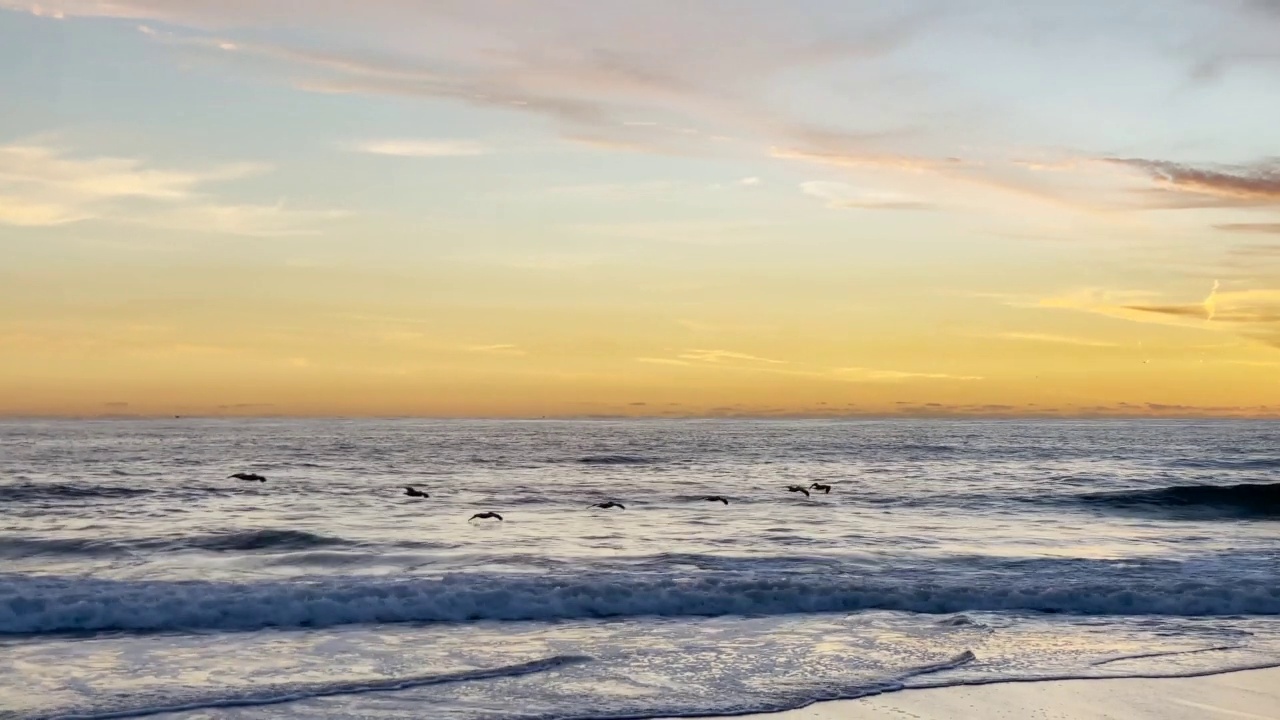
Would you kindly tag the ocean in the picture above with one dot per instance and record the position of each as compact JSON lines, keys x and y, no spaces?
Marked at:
{"x":138,"y":579}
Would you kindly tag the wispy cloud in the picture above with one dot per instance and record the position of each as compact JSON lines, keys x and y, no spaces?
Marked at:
{"x":497,"y":349}
{"x":859,"y":160}
{"x":1228,"y":185}
{"x":744,"y":362}
{"x":48,"y":168}
{"x":42,"y":185}
{"x":720,"y":356}
{"x":646,"y":83}
{"x":420,"y":148}
{"x":1251,"y":313}
{"x":1263,"y":228}
{"x":264,"y":221}
{"x":29,"y":212}
{"x":842,"y":196}
{"x":874,"y":375}
{"x":960,"y":180}
{"x":1207,"y":309}
{"x":663,"y":361}
{"x":1054,"y":339}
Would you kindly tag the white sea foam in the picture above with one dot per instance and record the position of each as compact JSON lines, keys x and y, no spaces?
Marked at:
{"x":279,"y":694}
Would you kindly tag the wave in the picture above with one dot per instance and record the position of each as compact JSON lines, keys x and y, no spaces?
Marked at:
{"x":20,"y":547}
{"x":1227,"y":464}
{"x":1169,"y":653}
{"x":27,"y":492}
{"x":615,"y":460}
{"x":292,"y":692}
{"x":262,"y":540}
{"x":1260,"y":500}
{"x":52,"y":604}
{"x":238,"y":541}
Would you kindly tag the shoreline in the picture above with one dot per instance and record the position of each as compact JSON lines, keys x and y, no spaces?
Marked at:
{"x":1247,"y":694}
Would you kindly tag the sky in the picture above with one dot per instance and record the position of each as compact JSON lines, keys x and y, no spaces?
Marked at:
{"x":500,"y":208}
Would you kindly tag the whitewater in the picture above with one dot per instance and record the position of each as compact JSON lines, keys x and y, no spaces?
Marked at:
{"x":138,"y":579}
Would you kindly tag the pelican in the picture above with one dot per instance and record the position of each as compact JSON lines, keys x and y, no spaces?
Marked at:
{"x":411,"y":491}
{"x":798,"y":488}
{"x":716,"y":498}
{"x":251,"y":477}
{"x":485,"y":516}
{"x":610,"y":504}
{"x":826,"y":489}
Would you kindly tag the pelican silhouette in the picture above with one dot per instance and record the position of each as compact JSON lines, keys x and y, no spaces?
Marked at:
{"x":251,"y":477}
{"x":411,"y":491}
{"x":826,"y":489}
{"x":798,"y":488}
{"x":716,"y":498}
{"x":610,"y":504}
{"x":485,"y":516}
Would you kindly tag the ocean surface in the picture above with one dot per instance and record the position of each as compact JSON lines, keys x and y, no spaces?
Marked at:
{"x":137,"y":579}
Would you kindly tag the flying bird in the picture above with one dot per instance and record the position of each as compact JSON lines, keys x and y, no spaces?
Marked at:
{"x":826,"y":489}
{"x":798,"y":488}
{"x":717,"y":498}
{"x":411,"y":491}
{"x":610,"y":504}
{"x":485,"y":516}
{"x":251,"y":477}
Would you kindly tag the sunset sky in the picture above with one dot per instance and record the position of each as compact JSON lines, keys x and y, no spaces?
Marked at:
{"x":651,"y":207}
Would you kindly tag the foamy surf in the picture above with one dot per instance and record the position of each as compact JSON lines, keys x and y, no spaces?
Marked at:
{"x":281,"y":694}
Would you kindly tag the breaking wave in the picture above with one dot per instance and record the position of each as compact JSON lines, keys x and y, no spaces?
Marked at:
{"x":52,"y":604}
{"x":27,"y":492}
{"x":615,"y":460}
{"x":239,"y":541}
{"x":1243,"y":500}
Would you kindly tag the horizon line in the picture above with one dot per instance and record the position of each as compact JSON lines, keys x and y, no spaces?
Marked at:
{"x":598,"y":417}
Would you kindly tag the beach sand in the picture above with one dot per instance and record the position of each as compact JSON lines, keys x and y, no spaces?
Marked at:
{"x":1247,"y":695}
